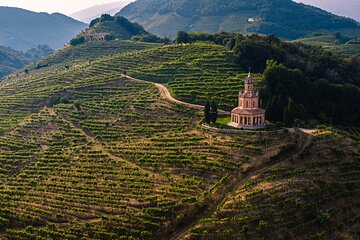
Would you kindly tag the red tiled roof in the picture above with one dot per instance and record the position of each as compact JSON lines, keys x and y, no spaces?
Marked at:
{"x":248,"y":111}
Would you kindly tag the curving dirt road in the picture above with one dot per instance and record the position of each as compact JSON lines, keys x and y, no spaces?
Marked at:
{"x":164,"y":91}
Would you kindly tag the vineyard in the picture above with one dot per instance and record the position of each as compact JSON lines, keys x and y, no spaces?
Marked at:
{"x":89,"y":51}
{"x":194,"y":73}
{"x":351,"y":132}
{"x":314,"y":196}
{"x":86,"y":153}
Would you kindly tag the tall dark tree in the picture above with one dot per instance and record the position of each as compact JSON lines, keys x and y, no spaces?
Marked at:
{"x":182,"y":37}
{"x":213,"y":112}
{"x":207,"y":116}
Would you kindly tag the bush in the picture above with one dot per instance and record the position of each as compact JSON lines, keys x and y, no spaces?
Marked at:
{"x":77,"y":41}
{"x":109,"y":37}
{"x":64,"y":100}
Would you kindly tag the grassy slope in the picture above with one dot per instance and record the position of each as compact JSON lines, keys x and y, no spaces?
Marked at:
{"x":126,"y":163}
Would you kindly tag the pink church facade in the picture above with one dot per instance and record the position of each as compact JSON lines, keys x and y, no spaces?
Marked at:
{"x":248,"y":114}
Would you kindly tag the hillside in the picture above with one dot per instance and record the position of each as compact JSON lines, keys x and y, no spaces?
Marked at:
{"x":89,"y":153}
{"x":350,"y":8}
{"x":88,"y":14}
{"x":116,"y":28}
{"x":22,"y":29}
{"x":307,"y":197}
{"x":333,"y":42}
{"x":303,"y":73}
{"x":11,"y":60}
{"x":283,"y":18}
{"x":84,"y":53}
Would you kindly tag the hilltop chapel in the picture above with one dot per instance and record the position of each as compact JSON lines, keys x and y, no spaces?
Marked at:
{"x":248,"y":114}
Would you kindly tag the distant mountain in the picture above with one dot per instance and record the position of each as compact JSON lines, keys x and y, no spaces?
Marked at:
{"x":12,"y":60}
{"x":91,"y":13}
{"x":21,"y":29}
{"x":347,"y":8}
{"x":284,"y":18}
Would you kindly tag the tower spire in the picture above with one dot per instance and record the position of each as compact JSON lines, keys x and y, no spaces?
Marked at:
{"x":249,"y":79}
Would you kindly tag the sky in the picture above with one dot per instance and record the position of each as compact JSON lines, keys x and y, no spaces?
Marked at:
{"x":63,"y":6}
{"x":347,"y":8}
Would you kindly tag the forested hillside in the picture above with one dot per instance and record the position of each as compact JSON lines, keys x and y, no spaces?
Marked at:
{"x":87,"y":153}
{"x":284,"y":18}
{"x":11,"y":60}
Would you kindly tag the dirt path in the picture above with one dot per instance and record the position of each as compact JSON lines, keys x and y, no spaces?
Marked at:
{"x":165,"y":93}
{"x":234,"y":186}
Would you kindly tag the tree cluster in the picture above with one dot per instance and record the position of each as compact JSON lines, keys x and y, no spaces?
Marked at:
{"x":210,"y":112}
{"x":122,"y":28}
{"x":77,"y":41}
{"x":292,"y":95}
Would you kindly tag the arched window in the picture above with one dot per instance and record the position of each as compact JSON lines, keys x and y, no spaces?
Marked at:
{"x":253,"y":104}
{"x":240,"y":103}
{"x":247,"y":104}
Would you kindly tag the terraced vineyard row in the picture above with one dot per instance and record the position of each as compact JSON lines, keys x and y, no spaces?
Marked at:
{"x":98,"y":157}
{"x":92,"y":50}
{"x":351,"y":132}
{"x":195,"y":73}
{"x":307,"y":198}
{"x":86,"y":153}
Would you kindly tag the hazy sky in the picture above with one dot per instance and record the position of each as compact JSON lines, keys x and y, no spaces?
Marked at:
{"x":63,"y":6}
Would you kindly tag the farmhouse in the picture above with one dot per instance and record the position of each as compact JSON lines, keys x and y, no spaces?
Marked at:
{"x":95,"y":36}
{"x":248,"y":114}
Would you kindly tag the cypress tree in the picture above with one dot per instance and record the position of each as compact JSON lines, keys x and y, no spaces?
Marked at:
{"x":207,"y":116}
{"x":213,"y":112}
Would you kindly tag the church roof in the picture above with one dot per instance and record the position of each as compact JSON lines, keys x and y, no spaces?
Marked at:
{"x":248,"y":111}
